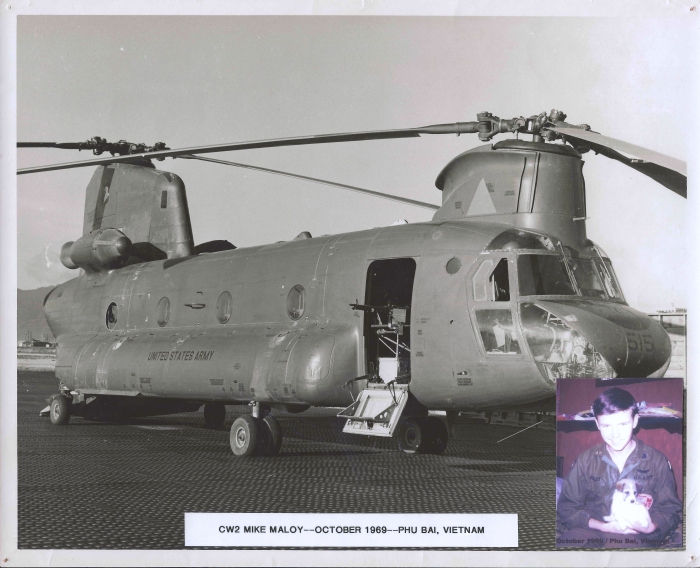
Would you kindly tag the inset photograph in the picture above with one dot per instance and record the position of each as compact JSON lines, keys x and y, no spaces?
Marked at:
{"x":620,"y":463}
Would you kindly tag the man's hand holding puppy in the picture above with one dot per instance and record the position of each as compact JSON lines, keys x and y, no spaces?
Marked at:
{"x":632,"y":527}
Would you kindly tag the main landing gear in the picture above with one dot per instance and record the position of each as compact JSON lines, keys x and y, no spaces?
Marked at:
{"x":256,"y":434}
{"x":423,"y":435}
{"x":386,"y":409}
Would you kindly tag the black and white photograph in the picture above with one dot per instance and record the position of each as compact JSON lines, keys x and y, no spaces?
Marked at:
{"x":339,"y":283}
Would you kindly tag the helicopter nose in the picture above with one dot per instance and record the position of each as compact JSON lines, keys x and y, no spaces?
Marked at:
{"x":589,"y":338}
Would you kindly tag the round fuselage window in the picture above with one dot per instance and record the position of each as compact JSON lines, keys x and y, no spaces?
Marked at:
{"x":111,"y":316}
{"x":163,"y":312}
{"x":453,"y":265}
{"x":223,"y":307}
{"x":296,"y":302}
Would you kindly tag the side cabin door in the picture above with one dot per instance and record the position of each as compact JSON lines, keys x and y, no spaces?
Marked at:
{"x":387,"y":329}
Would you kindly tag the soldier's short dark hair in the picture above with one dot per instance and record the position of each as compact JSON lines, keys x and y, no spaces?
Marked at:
{"x":614,"y":400}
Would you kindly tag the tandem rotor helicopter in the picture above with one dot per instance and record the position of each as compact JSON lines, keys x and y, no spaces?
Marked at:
{"x":482,"y":308}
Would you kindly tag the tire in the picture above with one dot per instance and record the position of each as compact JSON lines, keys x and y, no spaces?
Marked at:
{"x":412,"y":435}
{"x":60,"y":410}
{"x":437,"y":435}
{"x":214,"y":415}
{"x":245,"y":436}
{"x":273,"y":435}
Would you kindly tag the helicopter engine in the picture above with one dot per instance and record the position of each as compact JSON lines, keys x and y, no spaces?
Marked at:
{"x":98,"y":250}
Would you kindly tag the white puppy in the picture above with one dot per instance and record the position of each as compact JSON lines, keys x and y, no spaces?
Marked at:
{"x":626,"y":508}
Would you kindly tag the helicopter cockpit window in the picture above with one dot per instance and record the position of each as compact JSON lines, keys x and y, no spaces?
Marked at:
{"x":500,"y":287}
{"x":481,"y":280}
{"x":111,"y":316}
{"x":492,"y":284}
{"x":612,"y":286}
{"x":544,"y":275}
{"x":587,"y":277}
{"x":498,"y":332}
{"x":296,"y":302}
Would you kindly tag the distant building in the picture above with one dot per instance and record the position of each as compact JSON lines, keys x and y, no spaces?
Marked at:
{"x":29,"y":341}
{"x":35,"y":343}
{"x":673,"y":319}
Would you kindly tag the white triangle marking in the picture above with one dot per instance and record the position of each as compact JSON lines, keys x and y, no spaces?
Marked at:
{"x":482,"y":204}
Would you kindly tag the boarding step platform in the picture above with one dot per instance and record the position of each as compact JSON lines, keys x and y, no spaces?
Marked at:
{"x":376,"y":411}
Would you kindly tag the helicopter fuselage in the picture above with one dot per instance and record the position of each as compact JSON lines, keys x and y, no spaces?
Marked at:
{"x":485,"y":307}
{"x":493,"y":318}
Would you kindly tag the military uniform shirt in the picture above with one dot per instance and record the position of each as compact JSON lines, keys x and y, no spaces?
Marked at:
{"x":589,"y":486}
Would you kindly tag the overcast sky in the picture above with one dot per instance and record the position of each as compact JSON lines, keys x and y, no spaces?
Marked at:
{"x":205,"y":80}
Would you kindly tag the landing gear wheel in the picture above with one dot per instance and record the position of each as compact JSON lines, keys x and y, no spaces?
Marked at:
{"x":60,"y":410}
{"x":214,"y":415}
{"x":437,"y":435}
{"x":273,"y":435}
{"x":245,"y":435}
{"x":412,"y":435}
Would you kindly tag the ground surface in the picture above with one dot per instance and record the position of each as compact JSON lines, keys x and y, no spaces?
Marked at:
{"x":94,"y":485}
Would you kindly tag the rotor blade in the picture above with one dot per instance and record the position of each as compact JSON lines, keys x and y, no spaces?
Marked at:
{"x":316,"y":180}
{"x":456,"y":128}
{"x":61,"y":145}
{"x":669,"y":172}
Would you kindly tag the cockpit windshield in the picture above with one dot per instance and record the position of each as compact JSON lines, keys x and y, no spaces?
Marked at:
{"x":587,"y":277}
{"x":548,"y":274}
{"x":544,"y":275}
{"x":612,"y":287}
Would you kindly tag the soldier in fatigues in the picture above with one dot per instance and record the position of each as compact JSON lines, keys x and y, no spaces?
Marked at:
{"x":587,"y":492}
